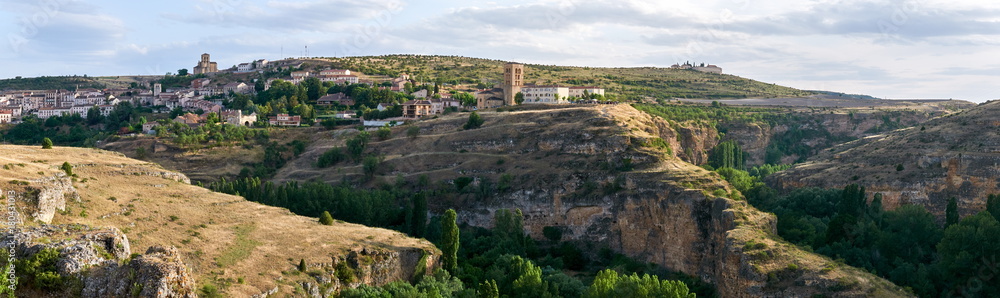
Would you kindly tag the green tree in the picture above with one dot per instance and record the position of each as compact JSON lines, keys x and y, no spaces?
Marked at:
{"x":94,"y":116}
{"x":413,"y":131}
{"x":474,"y":121}
{"x":357,"y":144}
{"x":519,"y":98}
{"x":182,"y":72}
{"x":488,"y":289}
{"x":993,"y":205}
{"x":449,"y":241}
{"x":466,"y":99}
{"x":326,"y":218}
{"x":370,"y":165}
{"x":418,"y":225}
{"x":330,"y":157}
{"x":68,"y":168}
{"x":302,"y":265}
{"x":46,"y":143}
{"x":726,"y":155}
{"x":609,"y":284}
{"x":968,"y":257}
{"x":384,"y":133}
{"x":951,"y":212}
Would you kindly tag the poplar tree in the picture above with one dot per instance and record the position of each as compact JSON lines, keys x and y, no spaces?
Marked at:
{"x":449,"y":241}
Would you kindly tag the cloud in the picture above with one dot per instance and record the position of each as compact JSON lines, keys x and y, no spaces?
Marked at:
{"x":64,"y":30}
{"x":320,"y":15}
{"x":905,"y":20}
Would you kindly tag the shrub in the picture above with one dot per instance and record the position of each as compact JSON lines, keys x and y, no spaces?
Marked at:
{"x":46,"y":143}
{"x":325,"y":218}
{"x":345,"y":273}
{"x":474,"y":121}
{"x":68,"y":168}
{"x":370,"y":165}
{"x":330,"y":157}
{"x":413,"y":131}
{"x":302,"y":265}
{"x":384,"y":133}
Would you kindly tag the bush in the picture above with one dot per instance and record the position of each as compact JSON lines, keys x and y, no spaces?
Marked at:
{"x":330,"y":157}
{"x":413,"y":131}
{"x":46,"y":143}
{"x":474,"y":121}
{"x":384,"y":133}
{"x":370,"y":165}
{"x":326,"y":218}
{"x":68,"y":168}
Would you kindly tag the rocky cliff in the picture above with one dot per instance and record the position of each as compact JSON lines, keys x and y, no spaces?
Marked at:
{"x":953,"y":156}
{"x":195,"y":241}
{"x":609,"y":177}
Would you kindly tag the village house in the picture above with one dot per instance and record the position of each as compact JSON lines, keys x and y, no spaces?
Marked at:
{"x":299,"y":76}
{"x":336,"y":98}
{"x":244,"y":67}
{"x":285,"y":120}
{"x":147,"y":128}
{"x":237,"y":87}
{"x":204,"y":105}
{"x":417,"y":108}
{"x":236,"y":117}
{"x":190,"y":119}
{"x":438,"y":105}
{"x":421,"y":94}
{"x":345,"y":115}
{"x":6,"y":116}
{"x":200,"y":83}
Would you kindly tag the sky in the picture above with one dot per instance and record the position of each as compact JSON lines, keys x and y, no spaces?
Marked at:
{"x":888,"y":49}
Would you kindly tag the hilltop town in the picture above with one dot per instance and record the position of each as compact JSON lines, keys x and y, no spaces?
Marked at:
{"x":191,"y":98}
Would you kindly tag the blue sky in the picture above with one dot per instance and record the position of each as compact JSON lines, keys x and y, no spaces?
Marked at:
{"x":889,"y":49}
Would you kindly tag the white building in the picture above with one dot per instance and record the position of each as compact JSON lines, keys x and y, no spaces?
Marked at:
{"x":244,"y":67}
{"x":352,"y":79}
{"x":335,"y":72}
{"x":582,"y":92}
{"x":545,"y":94}
{"x":45,"y":113}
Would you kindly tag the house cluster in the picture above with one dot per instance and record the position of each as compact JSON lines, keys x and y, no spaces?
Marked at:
{"x":701,"y":67}
{"x":48,"y":103}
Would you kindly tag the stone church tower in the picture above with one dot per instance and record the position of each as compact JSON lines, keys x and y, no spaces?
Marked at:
{"x":205,"y":65}
{"x":513,"y":80}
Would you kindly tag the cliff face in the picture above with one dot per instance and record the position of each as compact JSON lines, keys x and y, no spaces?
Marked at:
{"x":954,"y":156}
{"x":602,"y":175}
{"x":191,"y":236}
{"x":817,"y":130}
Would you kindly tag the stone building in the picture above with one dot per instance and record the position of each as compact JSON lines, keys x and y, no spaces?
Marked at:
{"x":205,"y":65}
{"x":513,"y":80}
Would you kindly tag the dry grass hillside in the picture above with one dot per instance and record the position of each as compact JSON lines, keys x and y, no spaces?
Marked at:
{"x":608,"y":176}
{"x":244,"y":248}
{"x":951,"y":156}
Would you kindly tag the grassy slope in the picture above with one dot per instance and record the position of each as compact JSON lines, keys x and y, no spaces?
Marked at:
{"x":631,"y":83}
{"x":240,"y":239}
